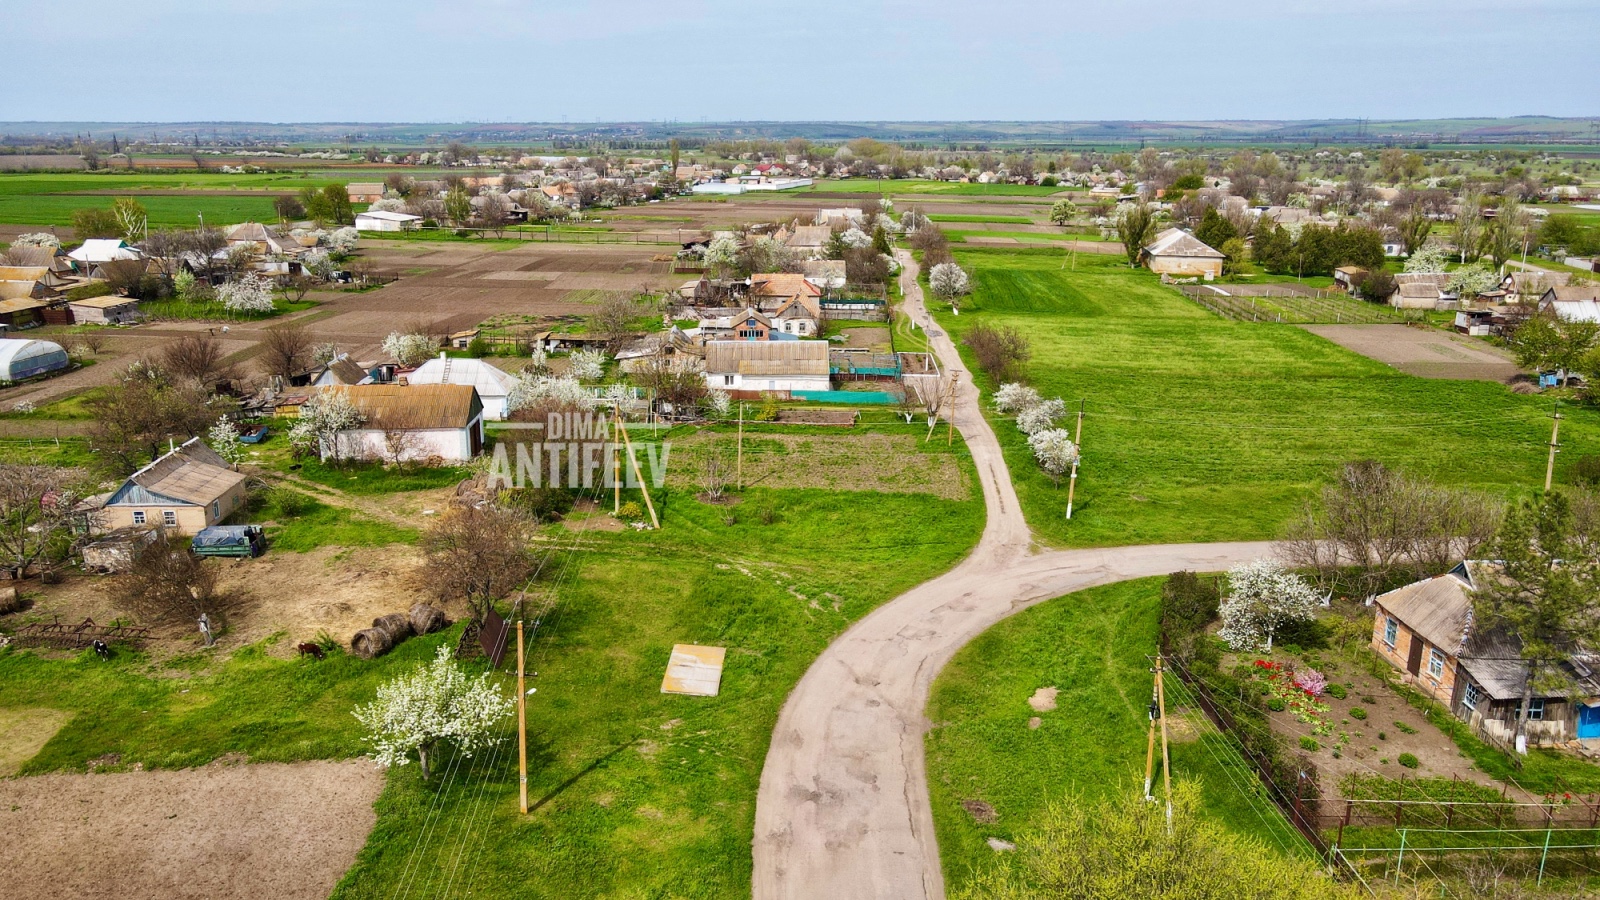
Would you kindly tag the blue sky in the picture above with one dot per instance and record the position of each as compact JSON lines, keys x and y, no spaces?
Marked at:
{"x":520,"y":60}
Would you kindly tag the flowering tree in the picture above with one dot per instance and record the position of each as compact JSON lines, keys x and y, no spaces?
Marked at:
{"x":948,"y":280}
{"x":722,"y":255}
{"x":37,"y":239}
{"x":720,"y":403}
{"x":388,"y":204}
{"x":587,"y":365}
{"x":618,"y":395}
{"x":1014,"y":397}
{"x":183,"y":284}
{"x":1472,"y":279}
{"x":318,"y":263}
{"x":1041,"y":416}
{"x":248,"y":294}
{"x":1055,"y":451}
{"x":1430,"y":259}
{"x":224,"y":439}
{"x":343,"y":240}
{"x":438,"y":702}
{"x":856,"y":239}
{"x":533,"y":387}
{"x":323,"y":354}
{"x":1263,"y":596}
{"x":408,"y":349}
{"x":322,"y":423}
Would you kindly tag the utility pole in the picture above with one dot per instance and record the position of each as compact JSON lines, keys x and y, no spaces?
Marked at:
{"x":739,"y":464}
{"x":616,"y":465}
{"x":1166,"y":759}
{"x":950,"y":418}
{"x":643,"y":487}
{"x":1555,"y":432}
{"x":1077,"y":441}
{"x":1150,"y":748}
{"x":522,"y":723}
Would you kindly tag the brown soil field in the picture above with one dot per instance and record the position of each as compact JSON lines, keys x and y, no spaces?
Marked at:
{"x":887,"y":463}
{"x":1424,"y":352}
{"x":240,"y":831}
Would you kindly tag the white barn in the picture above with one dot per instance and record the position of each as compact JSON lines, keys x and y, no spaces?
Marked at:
{"x":383,"y":220}
{"x":440,"y":421}
{"x":493,"y":386}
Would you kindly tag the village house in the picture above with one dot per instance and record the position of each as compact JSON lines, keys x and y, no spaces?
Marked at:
{"x":365,"y":191}
{"x":341,"y":371}
{"x":747,"y":369}
{"x":493,"y":385}
{"x":1177,"y":252}
{"x":1426,"y":630}
{"x":95,"y":251}
{"x":25,"y":283}
{"x":810,"y":241}
{"x":1347,"y":277}
{"x":1421,"y":290}
{"x":792,"y":302}
{"x":1527,"y":287}
{"x":1572,"y":302}
{"x":745,"y":325}
{"x":384,"y":220}
{"x":412,"y":423}
{"x":187,"y":488}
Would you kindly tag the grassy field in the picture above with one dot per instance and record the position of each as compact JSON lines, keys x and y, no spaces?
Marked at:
{"x":911,"y":186}
{"x":1008,"y":220}
{"x":637,"y":793}
{"x":1200,"y":428}
{"x":50,"y":199}
{"x":1092,"y":646}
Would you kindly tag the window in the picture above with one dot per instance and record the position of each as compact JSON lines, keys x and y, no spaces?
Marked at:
{"x":1391,"y":631}
{"x":138,"y":517}
{"x":169,"y":517}
{"x":1471,"y":696}
{"x":1536,"y":710}
{"x":1435,"y":663}
{"x":216,"y":509}
{"x":727,"y":380}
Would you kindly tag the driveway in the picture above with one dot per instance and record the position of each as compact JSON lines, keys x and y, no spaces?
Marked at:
{"x":843,"y":807}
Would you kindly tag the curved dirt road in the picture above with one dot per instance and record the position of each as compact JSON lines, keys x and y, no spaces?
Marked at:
{"x":843,"y":808}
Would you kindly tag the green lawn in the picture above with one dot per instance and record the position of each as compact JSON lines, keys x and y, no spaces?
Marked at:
{"x":50,"y":199}
{"x":1201,"y":428}
{"x":1092,"y":646}
{"x":957,"y":236}
{"x":1009,"y":220}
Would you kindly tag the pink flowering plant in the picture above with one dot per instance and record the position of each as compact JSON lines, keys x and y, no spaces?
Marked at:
{"x":1295,"y":689}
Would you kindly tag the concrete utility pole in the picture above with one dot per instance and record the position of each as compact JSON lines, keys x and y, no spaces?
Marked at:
{"x":1555,"y":432}
{"x":1077,"y":441}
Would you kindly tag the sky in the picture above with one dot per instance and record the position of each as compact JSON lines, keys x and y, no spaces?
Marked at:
{"x":822,"y":60}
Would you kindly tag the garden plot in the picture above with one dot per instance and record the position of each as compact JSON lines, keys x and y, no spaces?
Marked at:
{"x":1426,"y":353}
{"x":272,"y":830}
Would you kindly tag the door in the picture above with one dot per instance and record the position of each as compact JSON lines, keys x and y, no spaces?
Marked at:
{"x":1588,"y":721}
{"x":1414,"y":660}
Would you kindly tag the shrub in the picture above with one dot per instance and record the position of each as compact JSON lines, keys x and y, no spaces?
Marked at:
{"x":477,"y":348}
{"x":1309,"y":744}
{"x":89,"y":291}
{"x":1000,"y":351}
{"x":1587,"y":470}
{"x":1358,"y":712}
{"x":630,"y":512}
{"x":1276,"y":704}
{"x":1404,"y":728}
{"x":1188,"y":604}
{"x":1383,"y":736}
{"x":1409,"y":760}
{"x":1337,"y":691}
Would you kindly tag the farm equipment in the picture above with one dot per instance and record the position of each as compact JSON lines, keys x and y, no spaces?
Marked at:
{"x":77,"y":637}
{"x":254,"y":434}
{"x":230,"y":540}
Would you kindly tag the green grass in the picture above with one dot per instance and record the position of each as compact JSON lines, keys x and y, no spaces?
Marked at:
{"x":50,"y":199}
{"x":1021,"y":236}
{"x":47,"y":451}
{"x":1201,"y":428}
{"x":213,"y":310}
{"x":370,"y":478}
{"x":301,"y":524}
{"x":1009,"y":220}
{"x":1093,"y":646}
{"x":912,"y":186}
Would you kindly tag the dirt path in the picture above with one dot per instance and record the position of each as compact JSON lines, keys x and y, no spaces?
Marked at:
{"x":843,"y":806}
{"x":246,"y":831}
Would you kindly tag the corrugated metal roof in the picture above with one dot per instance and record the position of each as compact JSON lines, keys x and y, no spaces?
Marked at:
{"x":767,"y":357}
{"x":192,"y":474}
{"x":111,"y":302}
{"x":1177,"y":242}
{"x":415,"y":407}
{"x":96,"y":250}
{"x":489,"y":381}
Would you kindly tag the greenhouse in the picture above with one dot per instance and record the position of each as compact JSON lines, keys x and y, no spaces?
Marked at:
{"x":21,"y":359}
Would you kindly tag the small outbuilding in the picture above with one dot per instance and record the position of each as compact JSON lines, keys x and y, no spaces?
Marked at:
{"x":1177,"y":252}
{"x":21,"y":358}
{"x":383,"y":220}
{"x":110,"y":310}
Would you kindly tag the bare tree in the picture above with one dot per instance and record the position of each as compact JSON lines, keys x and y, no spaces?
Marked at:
{"x":167,"y":583}
{"x":37,"y":514}
{"x":613,"y":319}
{"x":294,"y":288}
{"x":195,"y":356}
{"x":286,"y":350}
{"x":144,"y":409}
{"x":714,"y":474}
{"x":400,"y":447}
{"x":478,"y":553}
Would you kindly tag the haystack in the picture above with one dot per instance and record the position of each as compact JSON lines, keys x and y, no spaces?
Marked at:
{"x":10,"y":602}
{"x":370,"y":643}
{"x":427,"y":618}
{"x":396,"y":625}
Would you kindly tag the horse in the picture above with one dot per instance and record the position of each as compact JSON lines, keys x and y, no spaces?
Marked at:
{"x":311,"y":650}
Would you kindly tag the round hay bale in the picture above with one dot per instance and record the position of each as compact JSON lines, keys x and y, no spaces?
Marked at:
{"x":396,"y":625}
{"x":9,"y":601}
{"x":427,"y":618}
{"x":370,"y":643}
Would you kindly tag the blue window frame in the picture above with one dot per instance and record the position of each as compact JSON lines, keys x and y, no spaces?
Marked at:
{"x":1391,"y":631}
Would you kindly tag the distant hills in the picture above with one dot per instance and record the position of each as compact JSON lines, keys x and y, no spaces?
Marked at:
{"x":1410,"y":132}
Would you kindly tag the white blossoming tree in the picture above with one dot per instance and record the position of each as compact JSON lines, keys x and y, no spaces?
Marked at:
{"x":388,"y":204}
{"x":1013,"y":398}
{"x":618,"y":395}
{"x":247,"y":294}
{"x":948,"y":281}
{"x":224,"y":439}
{"x":1041,"y":416}
{"x":720,"y":403}
{"x":1263,"y":597}
{"x":722,"y":255}
{"x":587,"y":365}
{"x":322,"y":423}
{"x":37,"y":239}
{"x":1055,"y":451}
{"x":319,"y":264}
{"x":856,"y":239}
{"x":1430,"y":259}
{"x":1473,"y":279}
{"x":534,"y":387}
{"x":408,"y":349}
{"x":343,"y":240}
{"x":438,"y":702}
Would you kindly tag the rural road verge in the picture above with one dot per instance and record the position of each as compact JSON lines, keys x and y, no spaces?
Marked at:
{"x":843,"y":808}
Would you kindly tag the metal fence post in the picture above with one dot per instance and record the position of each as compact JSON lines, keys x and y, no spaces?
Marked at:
{"x":1400,"y":860}
{"x":1543,"y":856}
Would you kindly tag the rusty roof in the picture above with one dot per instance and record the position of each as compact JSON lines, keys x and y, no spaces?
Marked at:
{"x":767,"y":357}
{"x":415,"y":407}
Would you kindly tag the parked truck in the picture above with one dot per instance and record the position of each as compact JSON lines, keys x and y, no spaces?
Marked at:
{"x":230,"y":540}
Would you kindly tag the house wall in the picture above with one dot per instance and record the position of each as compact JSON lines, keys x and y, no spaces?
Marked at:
{"x":1442,"y":687}
{"x":191,"y":518}
{"x":1185,"y":266}
{"x":366,"y":223}
{"x":94,"y":315}
{"x":725,"y":381}
{"x":454,"y":444}
{"x":1496,"y":722}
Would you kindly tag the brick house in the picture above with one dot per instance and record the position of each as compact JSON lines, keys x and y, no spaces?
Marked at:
{"x":1426,"y":630}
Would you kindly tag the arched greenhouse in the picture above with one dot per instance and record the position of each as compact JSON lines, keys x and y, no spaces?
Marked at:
{"x":21,"y":359}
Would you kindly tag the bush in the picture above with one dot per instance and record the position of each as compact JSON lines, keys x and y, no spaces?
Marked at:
{"x":1000,"y":351}
{"x":477,"y":348}
{"x":1587,"y":470}
{"x":91,"y":290}
{"x":1309,"y":744}
{"x":1188,"y":604}
{"x":1276,"y":704}
{"x":1383,"y":736}
{"x":1359,"y":713}
{"x":1404,"y":728}
{"x":1409,"y":760}
{"x":1337,"y":691}
{"x":630,"y":512}
{"x":1303,"y":634}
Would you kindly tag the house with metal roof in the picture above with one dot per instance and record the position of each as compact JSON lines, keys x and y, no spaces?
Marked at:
{"x":187,"y":489}
{"x":412,"y":423}
{"x":1427,"y":630}
{"x":95,"y":251}
{"x":385,"y":220}
{"x":1572,"y":302}
{"x":751,"y":368}
{"x":493,"y":385}
{"x":1177,"y":252}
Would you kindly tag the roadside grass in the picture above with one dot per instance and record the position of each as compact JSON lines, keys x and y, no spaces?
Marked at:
{"x":1093,"y":646}
{"x":1200,"y":428}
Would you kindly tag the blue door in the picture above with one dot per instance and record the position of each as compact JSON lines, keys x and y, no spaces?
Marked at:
{"x":1588,"y":721}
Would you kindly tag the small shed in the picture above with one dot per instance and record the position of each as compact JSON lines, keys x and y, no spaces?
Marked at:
{"x":114,"y":551}
{"x":383,"y":220}
{"x":105,"y":311}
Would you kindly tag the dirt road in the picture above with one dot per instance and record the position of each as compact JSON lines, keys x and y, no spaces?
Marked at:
{"x":843,"y":806}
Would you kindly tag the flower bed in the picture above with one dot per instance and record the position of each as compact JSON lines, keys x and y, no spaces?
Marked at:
{"x":1298,"y":691}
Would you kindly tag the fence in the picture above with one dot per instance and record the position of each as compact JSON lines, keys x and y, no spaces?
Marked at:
{"x":1514,"y":853}
{"x":1292,"y":307}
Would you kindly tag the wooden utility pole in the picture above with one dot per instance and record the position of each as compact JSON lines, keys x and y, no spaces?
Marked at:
{"x":1166,"y":758}
{"x":1150,"y":748}
{"x":616,"y":465}
{"x":1077,"y":441}
{"x":643,"y":486}
{"x":522,"y":723}
{"x":950,"y":416}
{"x":739,"y":465}
{"x":1555,"y":432}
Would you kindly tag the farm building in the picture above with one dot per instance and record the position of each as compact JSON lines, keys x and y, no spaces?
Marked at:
{"x":413,"y":422}
{"x":188,"y":488}
{"x":364,"y":191}
{"x":1177,"y":252}
{"x":110,"y":310}
{"x":383,"y":220}
{"x":102,"y":250}
{"x":1347,"y":277}
{"x":25,"y":282}
{"x":493,"y":386}
{"x":1426,"y":629}
{"x":1419,"y":290}
{"x":754,"y":367}
{"x":1572,"y":302}
{"x":809,"y":240}
{"x":342,"y":371}
{"x":21,"y":359}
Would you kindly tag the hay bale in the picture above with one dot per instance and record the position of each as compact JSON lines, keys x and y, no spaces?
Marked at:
{"x":9,"y":601}
{"x":370,"y":643}
{"x":427,"y":618}
{"x":396,"y":625}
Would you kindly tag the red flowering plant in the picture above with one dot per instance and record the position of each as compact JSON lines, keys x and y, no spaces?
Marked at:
{"x":1299,"y":692}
